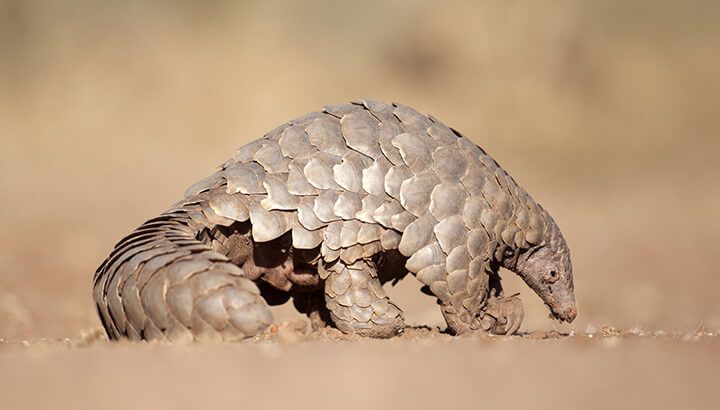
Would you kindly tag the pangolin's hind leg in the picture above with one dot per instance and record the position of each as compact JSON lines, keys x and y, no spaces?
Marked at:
{"x":358,"y":303}
{"x":161,"y":283}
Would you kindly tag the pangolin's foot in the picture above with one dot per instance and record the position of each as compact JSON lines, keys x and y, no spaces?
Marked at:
{"x":502,"y":315}
{"x":358,"y":304}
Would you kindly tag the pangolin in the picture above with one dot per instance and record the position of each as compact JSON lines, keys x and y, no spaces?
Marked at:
{"x":324,"y":210}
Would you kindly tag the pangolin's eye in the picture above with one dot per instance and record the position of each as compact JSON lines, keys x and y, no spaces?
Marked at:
{"x":552,"y":276}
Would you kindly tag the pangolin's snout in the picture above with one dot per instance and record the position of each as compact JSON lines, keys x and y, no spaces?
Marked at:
{"x":566,"y":315}
{"x":569,"y":315}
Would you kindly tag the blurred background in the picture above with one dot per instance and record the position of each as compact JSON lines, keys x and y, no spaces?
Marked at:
{"x":606,"y":111}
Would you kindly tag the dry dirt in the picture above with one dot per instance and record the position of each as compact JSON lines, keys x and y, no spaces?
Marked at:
{"x":605,"y":111}
{"x":421,"y":369}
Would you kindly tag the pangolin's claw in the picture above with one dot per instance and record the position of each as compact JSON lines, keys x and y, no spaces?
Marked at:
{"x":503,"y":316}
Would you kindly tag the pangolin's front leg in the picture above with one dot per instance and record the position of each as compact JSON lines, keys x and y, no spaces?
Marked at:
{"x":502,"y":315}
{"x":462,"y":306}
{"x":358,"y":303}
{"x":480,"y":305}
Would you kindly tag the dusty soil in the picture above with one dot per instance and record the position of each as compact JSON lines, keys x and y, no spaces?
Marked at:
{"x":421,"y":369}
{"x":605,"y":111}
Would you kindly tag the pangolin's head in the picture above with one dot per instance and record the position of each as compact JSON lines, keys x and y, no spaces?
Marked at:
{"x":548,"y":271}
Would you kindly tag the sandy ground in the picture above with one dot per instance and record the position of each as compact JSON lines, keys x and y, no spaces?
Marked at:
{"x":605,"y":111}
{"x":422,"y":369}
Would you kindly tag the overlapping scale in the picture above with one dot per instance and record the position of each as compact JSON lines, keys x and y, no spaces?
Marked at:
{"x":354,"y":180}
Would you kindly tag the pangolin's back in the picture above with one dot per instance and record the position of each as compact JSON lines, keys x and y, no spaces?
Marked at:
{"x":361,"y":177}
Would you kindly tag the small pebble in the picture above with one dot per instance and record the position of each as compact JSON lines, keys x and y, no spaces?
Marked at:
{"x":590,"y":330}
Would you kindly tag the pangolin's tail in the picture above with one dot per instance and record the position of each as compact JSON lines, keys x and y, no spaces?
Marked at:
{"x":162,"y":283}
